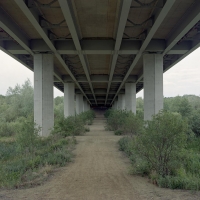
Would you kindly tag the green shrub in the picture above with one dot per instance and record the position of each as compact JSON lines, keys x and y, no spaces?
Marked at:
{"x":118,"y":132}
{"x":123,"y":122}
{"x":164,"y":137}
{"x":116,"y":119}
{"x":87,"y":117}
{"x":132,"y":125}
{"x":107,"y":112}
{"x":27,"y":138}
{"x":165,"y":153}
{"x":7,"y":129}
{"x":69,"y":126}
{"x":7,"y":150}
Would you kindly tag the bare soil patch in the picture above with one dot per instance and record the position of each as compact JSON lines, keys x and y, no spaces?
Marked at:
{"x":99,"y":172}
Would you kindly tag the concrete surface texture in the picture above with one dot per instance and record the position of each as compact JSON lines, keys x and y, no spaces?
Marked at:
{"x":43,"y":92}
{"x":69,"y":97}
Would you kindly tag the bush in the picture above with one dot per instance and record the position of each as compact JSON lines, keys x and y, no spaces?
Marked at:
{"x":165,"y":153}
{"x":87,"y":117}
{"x":116,"y":119}
{"x":27,"y":138}
{"x":73,"y":125}
{"x":69,"y":126}
{"x":164,"y":137}
{"x":132,"y":125}
{"x":123,"y":122}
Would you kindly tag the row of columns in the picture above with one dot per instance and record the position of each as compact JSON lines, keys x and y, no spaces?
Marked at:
{"x":43,"y":92}
{"x":43,"y":95}
{"x":153,"y":88}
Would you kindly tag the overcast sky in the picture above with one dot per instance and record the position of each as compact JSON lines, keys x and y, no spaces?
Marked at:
{"x":183,"y":78}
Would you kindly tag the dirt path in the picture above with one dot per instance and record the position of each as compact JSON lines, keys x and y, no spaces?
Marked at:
{"x":99,"y":172}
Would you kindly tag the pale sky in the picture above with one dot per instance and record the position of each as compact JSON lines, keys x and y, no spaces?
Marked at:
{"x":183,"y":78}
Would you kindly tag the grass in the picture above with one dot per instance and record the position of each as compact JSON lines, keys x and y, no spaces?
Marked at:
{"x":23,"y":169}
{"x":27,"y":159}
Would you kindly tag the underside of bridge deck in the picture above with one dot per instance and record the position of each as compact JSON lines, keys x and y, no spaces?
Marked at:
{"x":99,"y":45}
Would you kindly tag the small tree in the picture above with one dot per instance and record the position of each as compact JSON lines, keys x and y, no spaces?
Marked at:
{"x":27,"y":138}
{"x":132,"y":125}
{"x":161,"y":142}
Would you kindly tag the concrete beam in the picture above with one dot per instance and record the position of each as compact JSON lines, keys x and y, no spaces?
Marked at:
{"x":158,"y":21}
{"x":34,"y":20}
{"x":126,"y":5}
{"x":14,"y":31}
{"x":99,"y":79}
{"x":187,"y":22}
{"x":100,"y":91}
{"x":127,"y":47}
{"x":67,"y":11}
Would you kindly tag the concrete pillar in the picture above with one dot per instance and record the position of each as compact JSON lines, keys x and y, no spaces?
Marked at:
{"x":119,"y":103}
{"x":153,"y":84}
{"x":69,"y":101}
{"x":79,"y":103}
{"x":123,"y":102}
{"x":88,"y":106}
{"x":43,"y":93}
{"x":130,"y":97}
{"x":85,"y":106}
{"x":113,"y":105}
{"x":116,"y":104}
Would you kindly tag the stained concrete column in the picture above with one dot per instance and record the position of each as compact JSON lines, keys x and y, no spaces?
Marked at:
{"x":119,"y":103}
{"x":88,"y":106}
{"x":113,"y":105}
{"x":79,"y":103}
{"x":123,"y":102}
{"x":153,"y":84}
{"x":130,"y":97}
{"x":116,"y":104}
{"x":85,"y":106}
{"x":69,"y":101}
{"x":43,"y":93}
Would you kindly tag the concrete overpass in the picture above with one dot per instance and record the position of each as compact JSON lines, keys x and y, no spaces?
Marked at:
{"x":101,"y":52}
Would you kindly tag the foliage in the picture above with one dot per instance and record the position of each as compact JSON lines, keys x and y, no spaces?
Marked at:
{"x":58,"y":108}
{"x":195,"y":122}
{"x":27,"y":138}
{"x":26,"y":168}
{"x":73,"y":125}
{"x":15,"y":107}
{"x":87,"y":117}
{"x":165,"y":153}
{"x":164,"y":137}
{"x":116,"y":118}
{"x":123,"y":122}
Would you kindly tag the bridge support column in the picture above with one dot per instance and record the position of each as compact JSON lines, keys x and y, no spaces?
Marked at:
{"x":113,"y":105}
{"x":79,"y":103}
{"x":69,"y":101}
{"x":43,"y":93}
{"x":153,"y":84}
{"x":116,"y":104}
{"x":121,"y":101}
{"x":85,"y":105}
{"x":130,"y":97}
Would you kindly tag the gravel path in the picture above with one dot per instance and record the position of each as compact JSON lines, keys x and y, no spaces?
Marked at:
{"x":99,"y":172}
